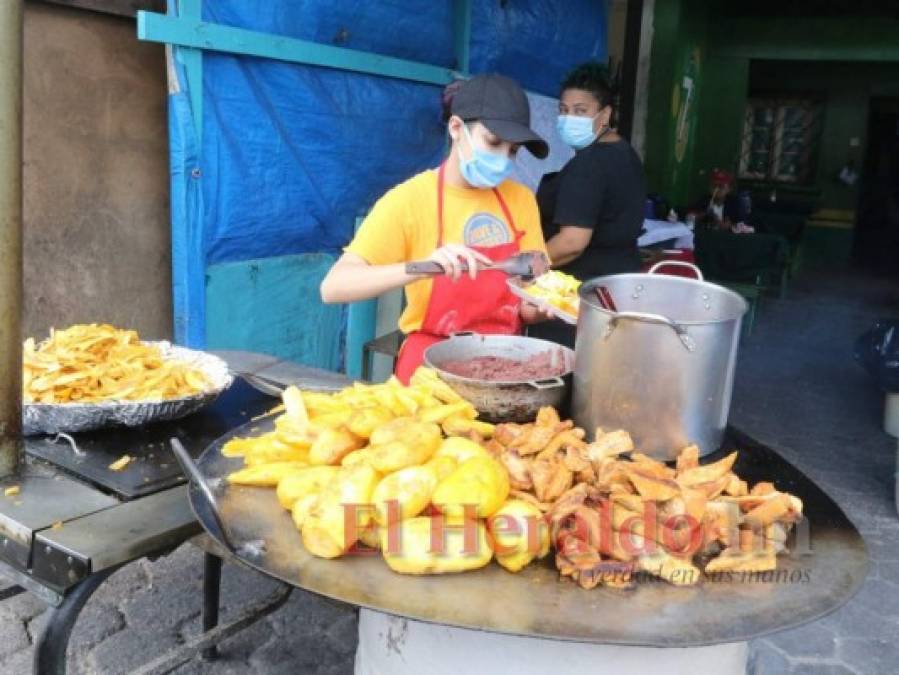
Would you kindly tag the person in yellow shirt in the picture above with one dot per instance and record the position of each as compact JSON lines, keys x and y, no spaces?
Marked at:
{"x":466,"y":211}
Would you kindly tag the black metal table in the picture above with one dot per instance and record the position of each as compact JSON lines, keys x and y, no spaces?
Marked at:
{"x":74,"y":521}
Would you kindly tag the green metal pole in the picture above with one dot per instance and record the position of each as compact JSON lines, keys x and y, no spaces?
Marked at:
{"x":11,"y":12}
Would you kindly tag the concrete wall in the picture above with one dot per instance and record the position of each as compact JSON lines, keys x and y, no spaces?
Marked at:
{"x":97,"y":242}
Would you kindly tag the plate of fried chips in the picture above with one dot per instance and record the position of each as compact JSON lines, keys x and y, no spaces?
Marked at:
{"x":555,"y":291}
{"x":90,"y":376}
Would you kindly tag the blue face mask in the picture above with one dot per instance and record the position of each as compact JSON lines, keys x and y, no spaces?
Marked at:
{"x":484,"y":169}
{"x":576,"y":131}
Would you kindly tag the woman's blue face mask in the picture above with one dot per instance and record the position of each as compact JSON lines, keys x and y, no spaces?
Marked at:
{"x":483,"y":169}
{"x":576,"y":131}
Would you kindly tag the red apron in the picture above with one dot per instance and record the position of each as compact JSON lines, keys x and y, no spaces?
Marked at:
{"x":484,"y":305}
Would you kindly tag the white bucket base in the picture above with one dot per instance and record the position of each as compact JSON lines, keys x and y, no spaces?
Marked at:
{"x":390,"y":645}
{"x":891,"y":414}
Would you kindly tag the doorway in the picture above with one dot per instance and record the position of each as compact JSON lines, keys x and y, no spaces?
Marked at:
{"x":877,"y":230}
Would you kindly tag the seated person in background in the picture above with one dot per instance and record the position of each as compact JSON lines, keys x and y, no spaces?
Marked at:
{"x":720,"y":209}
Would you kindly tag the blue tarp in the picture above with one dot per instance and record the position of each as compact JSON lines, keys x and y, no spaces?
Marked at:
{"x":292,"y":154}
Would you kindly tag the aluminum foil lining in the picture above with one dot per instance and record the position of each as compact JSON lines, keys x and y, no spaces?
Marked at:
{"x":53,"y":418}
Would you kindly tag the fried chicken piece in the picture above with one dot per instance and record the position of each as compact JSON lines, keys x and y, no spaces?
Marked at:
{"x":707,"y":473}
{"x":761,"y":489}
{"x":509,"y":433}
{"x":519,"y":471}
{"x":548,"y":416}
{"x":651,"y":487}
{"x":688,"y":458}
{"x":551,"y":479}
{"x":735,"y":560}
{"x":711,"y":489}
{"x":652,"y":467}
{"x":736,"y":487}
{"x":609,"y":445}
{"x":528,"y":497}
{"x":576,"y":459}
{"x":494,"y":447}
{"x":570,"y":438}
{"x":534,"y":440}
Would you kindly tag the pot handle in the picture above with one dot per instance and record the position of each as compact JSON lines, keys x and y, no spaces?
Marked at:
{"x":547,"y":383}
{"x":677,"y":263}
{"x":685,"y":338}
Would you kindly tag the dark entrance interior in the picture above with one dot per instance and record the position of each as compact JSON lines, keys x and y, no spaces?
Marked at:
{"x":877,"y":230}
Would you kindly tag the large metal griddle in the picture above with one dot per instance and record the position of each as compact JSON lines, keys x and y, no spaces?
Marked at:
{"x":535,"y":603}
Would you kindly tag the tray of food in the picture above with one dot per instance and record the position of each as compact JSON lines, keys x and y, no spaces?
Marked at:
{"x":554,"y":291}
{"x":400,"y":499}
{"x":91,"y":376}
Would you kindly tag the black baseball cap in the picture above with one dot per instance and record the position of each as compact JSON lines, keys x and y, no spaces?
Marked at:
{"x":500,"y":104}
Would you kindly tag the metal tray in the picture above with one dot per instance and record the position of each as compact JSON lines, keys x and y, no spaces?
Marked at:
{"x":52,"y":418}
{"x":828,"y":564}
{"x":519,"y":288}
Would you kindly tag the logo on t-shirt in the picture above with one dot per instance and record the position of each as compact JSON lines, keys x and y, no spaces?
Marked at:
{"x":485,"y":229}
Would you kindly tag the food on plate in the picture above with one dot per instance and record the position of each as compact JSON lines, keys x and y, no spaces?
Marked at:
{"x":558,"y":289}
{"x":90,"y":363}
{"x":411,"y":472}
{"x":549,"y":363}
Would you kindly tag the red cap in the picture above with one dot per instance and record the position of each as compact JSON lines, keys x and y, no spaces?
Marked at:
{"x":722,"y":177}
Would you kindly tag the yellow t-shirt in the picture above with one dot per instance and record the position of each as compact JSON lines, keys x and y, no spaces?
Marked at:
{"x":402,"y":227}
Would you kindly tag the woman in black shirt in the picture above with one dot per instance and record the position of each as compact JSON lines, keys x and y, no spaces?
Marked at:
{"x":591,"y":210}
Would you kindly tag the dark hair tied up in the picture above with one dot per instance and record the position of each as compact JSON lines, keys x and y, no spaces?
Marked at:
{"x":592,"y":77}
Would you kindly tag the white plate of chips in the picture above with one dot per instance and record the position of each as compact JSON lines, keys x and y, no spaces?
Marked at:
{"x":548,"y":302}
{"x":94,"y":376}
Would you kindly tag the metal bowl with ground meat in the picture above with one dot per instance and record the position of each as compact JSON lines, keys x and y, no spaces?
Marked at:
{"x":508,"y":378}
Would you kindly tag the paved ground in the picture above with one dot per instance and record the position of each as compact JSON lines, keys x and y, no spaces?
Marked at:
{"x":797,"y":388}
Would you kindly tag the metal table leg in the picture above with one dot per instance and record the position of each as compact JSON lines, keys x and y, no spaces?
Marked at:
{"x":50,"y":650}
{"x":212,"y":578}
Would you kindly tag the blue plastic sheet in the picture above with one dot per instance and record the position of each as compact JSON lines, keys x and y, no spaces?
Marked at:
{"x":292,"y":154}
{"x":537,"y":41}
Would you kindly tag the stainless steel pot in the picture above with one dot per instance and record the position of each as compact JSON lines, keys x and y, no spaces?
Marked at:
{"x":661,"y":363}
{"x":511,"y":401}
